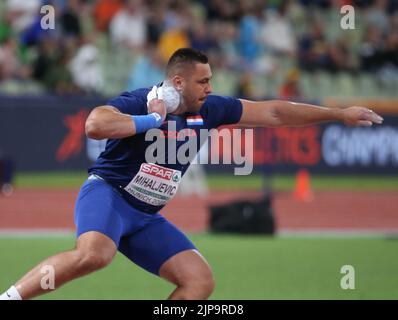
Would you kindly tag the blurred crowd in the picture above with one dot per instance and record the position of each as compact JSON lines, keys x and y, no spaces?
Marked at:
{"x":252,"y":37}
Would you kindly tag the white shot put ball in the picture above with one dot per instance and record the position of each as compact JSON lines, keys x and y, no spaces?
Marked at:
{"x":170,"y":96}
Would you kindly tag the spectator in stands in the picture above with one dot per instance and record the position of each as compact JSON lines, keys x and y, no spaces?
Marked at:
{"x":178,"y":15}
{"x":276,"y":31}
{"x":70,"y":20}
{"x":172,"y":40}
{"x":362,"y":3}
{"x":104,"y":11}
{"x":156,"y":22}
{"x":388,"y":73}
{"x":392,"y":7}
{"x":200,"y":37}
{"x":314,"y":49}
{"x":32,"y":35}
{"x":235,"y":33}
{"x":225,"y":34}
{"x":391,"y":44}
{"x":22,"y":14}
{"x":370,"y":51}
{"x":341,"y":55}
{"x":290,"y":88}
{"x":147,"y":70}
{"x":323,"y":4}
{"x":249,"y":40}
{"x":245,"y":88}
{"x":175,"y":36}
{"x":46,"y":58}
{"x":376,"y":15}
{"x":391,"y":51}
{"x":5,"y":27}
{"x":10,"y":65}
{"x":222,"y":10}
{"x":129,"y":26}
{"x":59,"y":79}
{"x":51,"y":65}
{"x":85,"y":67}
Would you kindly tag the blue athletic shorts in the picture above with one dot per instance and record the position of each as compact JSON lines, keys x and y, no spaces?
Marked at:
{"x":148,"y":240}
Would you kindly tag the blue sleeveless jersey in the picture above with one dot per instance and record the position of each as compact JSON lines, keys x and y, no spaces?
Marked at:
{"x":148,"y":186}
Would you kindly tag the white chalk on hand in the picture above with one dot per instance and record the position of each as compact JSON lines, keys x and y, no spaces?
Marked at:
{"x":168,"y":94}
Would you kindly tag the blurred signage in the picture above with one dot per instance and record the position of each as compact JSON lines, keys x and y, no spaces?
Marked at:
{"x":327,"y":148}
{"x":47,"y":133}
{"x":342,"y":146}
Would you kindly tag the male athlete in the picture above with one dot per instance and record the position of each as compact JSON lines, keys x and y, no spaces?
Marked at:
{"x":118,"y":206}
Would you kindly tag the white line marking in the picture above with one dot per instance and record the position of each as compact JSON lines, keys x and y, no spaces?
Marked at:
{"x":36,"y":233}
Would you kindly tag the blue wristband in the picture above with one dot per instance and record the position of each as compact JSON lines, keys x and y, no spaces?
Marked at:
{"x":144,"y":123}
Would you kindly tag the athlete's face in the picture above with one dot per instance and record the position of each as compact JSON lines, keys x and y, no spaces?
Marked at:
{"x":195,"y":86}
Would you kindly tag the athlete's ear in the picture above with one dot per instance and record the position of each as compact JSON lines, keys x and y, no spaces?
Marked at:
{"x":178,"y":82}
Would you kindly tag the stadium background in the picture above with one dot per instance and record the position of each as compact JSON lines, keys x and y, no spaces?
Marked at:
{"x":295,"y":50}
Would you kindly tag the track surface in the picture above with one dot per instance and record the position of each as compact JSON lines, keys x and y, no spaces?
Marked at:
{"x":332,"y":211}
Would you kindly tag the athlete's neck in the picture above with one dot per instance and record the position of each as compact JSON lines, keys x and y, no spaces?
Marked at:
{"x":180,"y":110}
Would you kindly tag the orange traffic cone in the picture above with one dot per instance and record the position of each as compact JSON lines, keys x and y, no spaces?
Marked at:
{"x":302,"y":190}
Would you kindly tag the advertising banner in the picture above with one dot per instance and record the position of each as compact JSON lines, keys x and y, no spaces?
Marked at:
{"x":47,"y":133}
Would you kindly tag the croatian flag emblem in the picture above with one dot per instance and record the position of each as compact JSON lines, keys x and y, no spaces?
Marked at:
{"x":195,"y":120}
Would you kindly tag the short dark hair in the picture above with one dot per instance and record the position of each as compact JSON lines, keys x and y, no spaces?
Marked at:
{"x":183,"y":57}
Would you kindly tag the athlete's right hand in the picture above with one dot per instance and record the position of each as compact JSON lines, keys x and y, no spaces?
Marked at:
{"x":157,"y":105}
{"x":167,"y":93}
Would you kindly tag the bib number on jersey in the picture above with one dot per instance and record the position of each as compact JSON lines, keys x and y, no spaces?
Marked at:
{"x":154,"y":184}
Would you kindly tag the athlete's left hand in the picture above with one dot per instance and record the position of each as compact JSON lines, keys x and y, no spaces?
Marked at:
{"x":360,"y":116}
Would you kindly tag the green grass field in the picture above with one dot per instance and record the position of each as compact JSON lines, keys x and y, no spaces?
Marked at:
{"x":228,"y":182}
{"x":245,"y":267}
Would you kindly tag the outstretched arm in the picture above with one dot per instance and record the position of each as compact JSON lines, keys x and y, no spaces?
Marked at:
{"x":277,"y":113}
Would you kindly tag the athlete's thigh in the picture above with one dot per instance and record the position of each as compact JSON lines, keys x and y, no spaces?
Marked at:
{"x":98,"y":208}
{"x":155,"y":244}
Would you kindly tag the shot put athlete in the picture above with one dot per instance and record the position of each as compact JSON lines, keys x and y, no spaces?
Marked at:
{"x":118,"y":206}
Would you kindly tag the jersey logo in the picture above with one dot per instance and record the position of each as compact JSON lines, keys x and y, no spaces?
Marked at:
{"x":176,"y":177}
{"x":195,"y":120}
{"x":157,"y":171}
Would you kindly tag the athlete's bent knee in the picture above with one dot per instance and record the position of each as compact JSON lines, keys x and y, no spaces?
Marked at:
{"x":92,"y":261}
{"x":198,"y":288}
{"x":205,"y":286}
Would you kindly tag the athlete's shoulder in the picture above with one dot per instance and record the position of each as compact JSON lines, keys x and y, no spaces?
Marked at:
{"x":219,"y":110}
{"x":214,"y":99}
{"x":138,"y":94}
{"x":131,"y":102}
